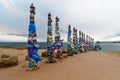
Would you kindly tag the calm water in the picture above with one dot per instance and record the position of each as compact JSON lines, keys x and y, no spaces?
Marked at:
{"x":105,"y":46}
{"x":110,"y":46}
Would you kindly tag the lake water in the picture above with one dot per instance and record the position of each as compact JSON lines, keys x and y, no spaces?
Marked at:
{"x":105,"y":46}
{"x":110,"y":46}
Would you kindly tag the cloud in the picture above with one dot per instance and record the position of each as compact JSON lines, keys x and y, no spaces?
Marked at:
{"x":11,"y":5}
{"x":115,"y":37}
{"x":8,"y":29}
{"x":15,"y":34}
{"x":63,"y":30}
{"x":21,"y":36}
{"x":12,"y":38}
{"x":99,"y":17}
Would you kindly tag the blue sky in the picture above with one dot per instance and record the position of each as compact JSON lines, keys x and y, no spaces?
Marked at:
{"x":97,"y":18}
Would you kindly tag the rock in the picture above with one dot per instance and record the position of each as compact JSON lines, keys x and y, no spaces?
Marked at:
{"x":64,"y":50}
{"x":8,"y":61}
{"x":64,"y":55}
{"x":82,"y":50}
{"x":27,"y":57}
{"x":44,"y":54}
{"x":5,"y":56}
{"x":70,"y":53}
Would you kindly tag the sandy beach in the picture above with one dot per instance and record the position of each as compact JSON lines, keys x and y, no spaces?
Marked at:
{"x":84,"y":66}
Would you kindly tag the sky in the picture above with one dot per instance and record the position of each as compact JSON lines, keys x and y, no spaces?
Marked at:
{"x":99,"y":19}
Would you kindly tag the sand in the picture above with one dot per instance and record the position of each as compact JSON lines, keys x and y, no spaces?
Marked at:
{"x":84,"y":66}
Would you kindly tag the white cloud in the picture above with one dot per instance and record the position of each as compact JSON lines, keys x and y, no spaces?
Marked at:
{"x":5,"y":37}
{"x":12,"y":7}
{"x":12,"y":38}
{"x":6,"y":29}
{"x":98,"y":18}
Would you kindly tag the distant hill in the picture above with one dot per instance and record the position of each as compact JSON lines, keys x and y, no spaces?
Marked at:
{"x":107,"y":41}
